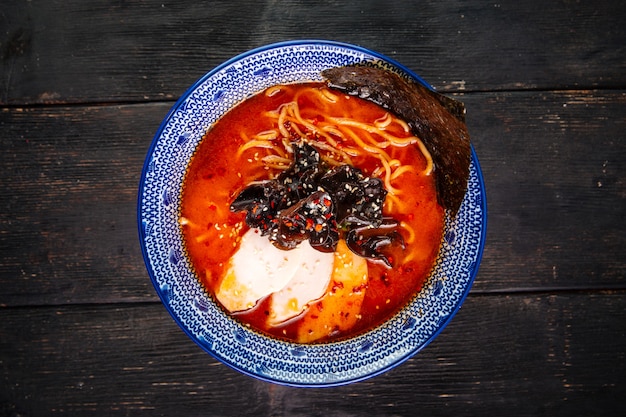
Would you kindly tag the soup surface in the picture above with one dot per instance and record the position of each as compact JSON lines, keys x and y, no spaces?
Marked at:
{"x":310,"y":294}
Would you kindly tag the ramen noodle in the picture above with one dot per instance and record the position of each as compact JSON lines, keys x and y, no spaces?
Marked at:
{"x":340,"y":272}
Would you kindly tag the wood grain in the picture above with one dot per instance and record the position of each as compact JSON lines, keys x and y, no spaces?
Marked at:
{"x":70,"y":51}
{"x":553,"y":164}
{"x":554,"y":167}
{"x":84,"y":86}
{"x":69,"y":184}
{"x":515,"y":355}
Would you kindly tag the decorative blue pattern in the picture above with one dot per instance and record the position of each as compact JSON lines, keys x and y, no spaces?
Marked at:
{"x":220,"y":335}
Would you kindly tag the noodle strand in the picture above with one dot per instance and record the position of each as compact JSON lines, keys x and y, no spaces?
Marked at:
{"x":330,"y":134}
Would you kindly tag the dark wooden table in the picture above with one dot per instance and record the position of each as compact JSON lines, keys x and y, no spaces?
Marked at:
{"x":83,"y":88}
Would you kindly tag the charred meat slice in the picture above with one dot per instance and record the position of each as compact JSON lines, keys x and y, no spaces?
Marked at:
{"x":437,"y":120}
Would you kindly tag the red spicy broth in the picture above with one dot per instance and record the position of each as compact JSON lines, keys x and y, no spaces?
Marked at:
{"x":252,"y":143}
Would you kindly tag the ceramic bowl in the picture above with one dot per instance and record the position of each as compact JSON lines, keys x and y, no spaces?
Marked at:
{"x":226,"y":339}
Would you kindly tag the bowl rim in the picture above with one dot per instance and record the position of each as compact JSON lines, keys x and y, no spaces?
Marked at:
{"x":142,"y":235}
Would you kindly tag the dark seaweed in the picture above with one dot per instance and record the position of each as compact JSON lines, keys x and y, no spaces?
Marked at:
{"x":437,"y":120}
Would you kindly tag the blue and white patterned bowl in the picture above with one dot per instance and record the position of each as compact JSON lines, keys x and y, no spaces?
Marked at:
{"x":196,"y":313}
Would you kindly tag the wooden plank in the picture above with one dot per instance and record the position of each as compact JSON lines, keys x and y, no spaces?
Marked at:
{"x":68,"y":51}
{"x":69,"y":184}
{"x":553,"y":163}
{"x":519,"y":355}
{"x":554,"y":167}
